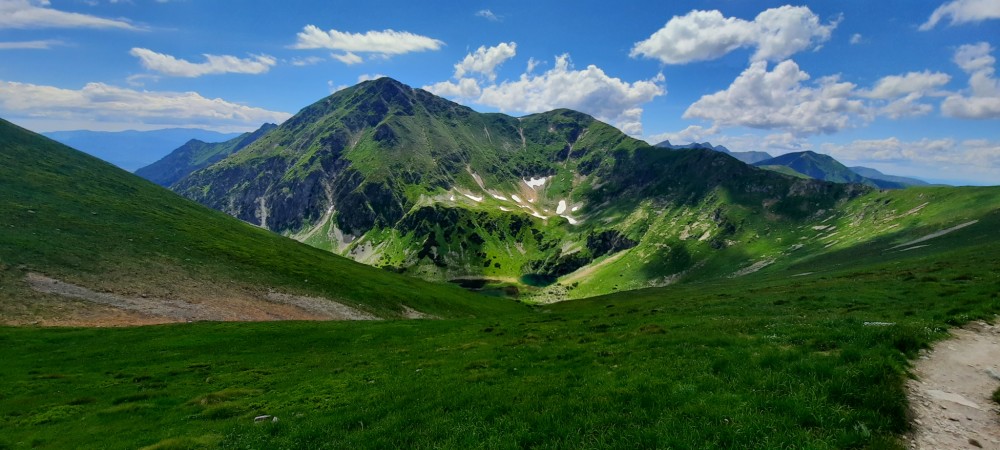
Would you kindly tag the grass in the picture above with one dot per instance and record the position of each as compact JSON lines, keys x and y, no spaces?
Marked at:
{"x":996,"y":395}
{"x":769,"y":361}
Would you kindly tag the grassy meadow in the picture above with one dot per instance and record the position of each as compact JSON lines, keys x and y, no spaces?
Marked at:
{"x":772,"y":360}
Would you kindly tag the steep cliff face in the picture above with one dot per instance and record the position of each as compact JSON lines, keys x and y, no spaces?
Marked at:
{"x":399,"y":178}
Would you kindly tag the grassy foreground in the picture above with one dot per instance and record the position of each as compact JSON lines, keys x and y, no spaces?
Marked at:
{"x":767,"y":361}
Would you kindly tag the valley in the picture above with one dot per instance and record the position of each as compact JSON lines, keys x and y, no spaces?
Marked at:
{"x":665,"y":297}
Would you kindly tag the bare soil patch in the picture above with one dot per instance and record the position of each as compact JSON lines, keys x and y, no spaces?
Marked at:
{"x":75,"y":305}
{"x":950,"y":398}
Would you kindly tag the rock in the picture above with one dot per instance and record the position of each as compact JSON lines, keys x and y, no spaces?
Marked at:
{"x":993,"y":374}
{"x":975,"y":443}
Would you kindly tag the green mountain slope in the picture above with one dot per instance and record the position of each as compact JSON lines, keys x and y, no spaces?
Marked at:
{"x":824,"y":167}
{"x":77,"y":219}
{"x":398,"y":178}
{"x":195,"y":155}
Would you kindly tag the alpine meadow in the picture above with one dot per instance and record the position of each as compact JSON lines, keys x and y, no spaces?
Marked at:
{"x":507,"y":251}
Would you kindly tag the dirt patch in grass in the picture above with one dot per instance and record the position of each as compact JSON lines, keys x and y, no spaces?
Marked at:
{"x":951,"y":395}
{"x":71,"y":304}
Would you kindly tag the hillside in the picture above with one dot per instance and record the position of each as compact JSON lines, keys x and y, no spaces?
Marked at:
{"x":401,"y":179}
{"x":86,"y":224}
{"x":195,"y":155}
{"x":811,"y":353}
{"x":824,"y":167}
{"x":132,"y":149}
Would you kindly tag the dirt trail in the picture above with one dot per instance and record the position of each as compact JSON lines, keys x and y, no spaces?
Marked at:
{"x":275,"y":306}
{"x":950,"y":398}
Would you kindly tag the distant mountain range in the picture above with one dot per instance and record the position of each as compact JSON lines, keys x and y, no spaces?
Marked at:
{"x":808,"y":164}
{"x":131,"y":149}
{"x":747,"y":157}
{"x":195,"y":155}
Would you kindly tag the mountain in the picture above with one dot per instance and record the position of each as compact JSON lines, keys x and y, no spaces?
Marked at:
{"x":823,"y":167}
{"x":552,"y":203}
{"x":79,"y":227}
{"x":747,"y":157}
{"x":196,"y":154}
{"x":876,"y":175}
{"x":132,"y":149}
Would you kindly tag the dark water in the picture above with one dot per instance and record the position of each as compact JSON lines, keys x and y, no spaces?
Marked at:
{"x":486,"y":286}
{"x":537,"y":279}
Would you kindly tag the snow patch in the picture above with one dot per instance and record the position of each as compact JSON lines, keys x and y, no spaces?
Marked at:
{"x":571,"y":220}
{"x":562,"y":207}
{"x":517,"y":199}
{"x":473,"y":198}
{"x":538,"y":215}
{"x":575,"y":209}
{"x":536,"y":183}
{"x":498,"y":197}
{"x":504,"y":209}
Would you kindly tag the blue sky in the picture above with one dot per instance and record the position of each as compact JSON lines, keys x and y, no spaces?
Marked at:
{"x":907,"y":87}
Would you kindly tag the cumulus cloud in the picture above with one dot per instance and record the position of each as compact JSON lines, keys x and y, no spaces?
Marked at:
{"x":983,"y":94}
{"x":214,"y":64}
{"x":347,"y":58}
{"x":484,"y":61}
{"x":779,"y":99}
{"x":488,"y":15}
{"x":970,"y":152}
{"x":776,"y":33}
{"x":693,"y":133}
{"x":912,"y":82}
{"x":963,"y":11}
{"x":386,"y":42}
{"x":856,"y":39}
{"x":589,"y":90}
{"x":465,"y":88}
{"x":97,"y":104}
{"x":900,"y":95}
{"x":31,"y":14}
{"x":30,"y":45}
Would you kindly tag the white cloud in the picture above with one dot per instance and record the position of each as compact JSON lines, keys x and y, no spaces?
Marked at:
{"x":913,"y":82}
{"x":214,"y":64}
{"x":30,"y":14}
{"x":97,"y":105}
{"x":488,"y":15}
{"x":776,"y":33}
{"x":963,"y":11}
{"x":899,"y":95}
{"x":387,"y":42}
{"x":983,"y":99}
{"x":307,"y":61}
{"x":856,"y":39}
{"x":465,"y":88}
{"x":779,"y":100}
{"x":693,"y":133}
{"x":589,"y":90}
{"x":347,"y":58}
{"x":485,"y":60}
{"x":532,"y":64}
{"x":970,"y":152}
{"x":30,"y":45}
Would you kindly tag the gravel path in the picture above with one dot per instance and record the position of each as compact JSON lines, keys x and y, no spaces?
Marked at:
{"x":950,"y":397}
